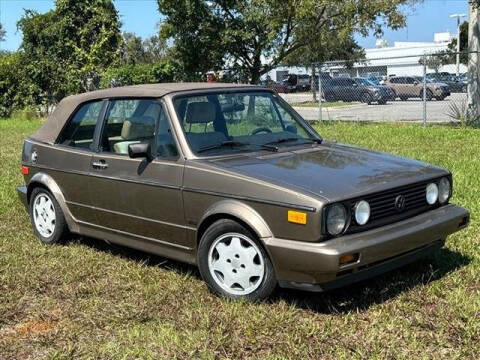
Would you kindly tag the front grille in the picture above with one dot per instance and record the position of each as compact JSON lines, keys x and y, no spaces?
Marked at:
{"x":383,"y":209}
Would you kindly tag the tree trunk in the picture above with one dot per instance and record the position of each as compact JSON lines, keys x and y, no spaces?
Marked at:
{"x":313,"y":83}
{"x":473,"y":90}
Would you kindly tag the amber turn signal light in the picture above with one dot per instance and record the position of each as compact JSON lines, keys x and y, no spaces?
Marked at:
{"x":348,"y":259}
{"x":297,"y":217}
{"x":25,"y":170}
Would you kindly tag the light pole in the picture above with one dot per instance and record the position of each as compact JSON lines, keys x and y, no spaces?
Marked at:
{"x":458,"y":17}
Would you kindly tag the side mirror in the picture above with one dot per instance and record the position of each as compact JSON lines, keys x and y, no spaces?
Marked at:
{"x":140,"y":150}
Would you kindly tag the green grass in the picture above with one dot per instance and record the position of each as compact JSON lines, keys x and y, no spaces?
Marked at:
{"x":91,"y":300}
{"x":326,"y":104}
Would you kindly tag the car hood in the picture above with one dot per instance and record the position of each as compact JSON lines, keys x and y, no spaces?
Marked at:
{"x":332,"y":171}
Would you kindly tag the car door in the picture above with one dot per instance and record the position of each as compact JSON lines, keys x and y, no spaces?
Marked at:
{"x":71,"y":158}
{"x":411,"y":86}
{"x":139,"y":197}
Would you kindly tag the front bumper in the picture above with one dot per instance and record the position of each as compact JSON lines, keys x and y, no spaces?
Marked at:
{"x":316,"y":266}
{"x":22,"y":194}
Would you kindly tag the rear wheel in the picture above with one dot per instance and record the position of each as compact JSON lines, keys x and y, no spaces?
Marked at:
{"x":329,"y":97}
{"x":233,"y":263}
{"x":46,"y":216}
{"x":428,"y":95}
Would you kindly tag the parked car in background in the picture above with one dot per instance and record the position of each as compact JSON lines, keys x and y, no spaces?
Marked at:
{"x":254,"y":203}
{"x":377,"y":80}
{"x":294,"y":82}
{"x":359,"y":89}
{"x":455,"y":84}
{"x":279,"y":86}
{"x":376,"y":93}
{"x":406,"y":87}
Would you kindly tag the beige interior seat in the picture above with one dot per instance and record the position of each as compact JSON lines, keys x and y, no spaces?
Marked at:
{"x":134,"y":131}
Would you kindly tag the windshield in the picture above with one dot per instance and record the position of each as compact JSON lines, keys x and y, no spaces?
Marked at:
{"x":363,"y":81}
{"x":222,"y":123}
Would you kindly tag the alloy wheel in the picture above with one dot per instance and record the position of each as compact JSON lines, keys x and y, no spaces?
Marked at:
{"x":44,"y":215}
{"x":236,"y":264}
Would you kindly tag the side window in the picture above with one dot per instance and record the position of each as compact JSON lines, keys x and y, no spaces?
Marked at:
{"x":129,"y":121}
{"x":79,"y":131}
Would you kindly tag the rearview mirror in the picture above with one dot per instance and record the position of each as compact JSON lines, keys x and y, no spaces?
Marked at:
{"x":291,"y":128}
{"x":139,"y":150}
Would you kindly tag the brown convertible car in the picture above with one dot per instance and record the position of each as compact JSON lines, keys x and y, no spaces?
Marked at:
{"x":232,"y":179}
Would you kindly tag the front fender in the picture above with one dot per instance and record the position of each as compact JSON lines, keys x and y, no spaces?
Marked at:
{"x":47,"y":181}
{"x":241,"y":211}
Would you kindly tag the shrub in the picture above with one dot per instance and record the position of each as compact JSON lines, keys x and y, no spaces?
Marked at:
{"x":164,"y":71}
{"x":460,"y":111}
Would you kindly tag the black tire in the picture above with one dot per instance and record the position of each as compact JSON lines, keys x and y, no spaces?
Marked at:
{"x":60,"y":229}
{"x":214,"y":232}
{"x":366,"y":98}
{"x":428,"y":95}
{"x":440,"y":98}
{"x":329,"y":97}
{"x":403,"y":98}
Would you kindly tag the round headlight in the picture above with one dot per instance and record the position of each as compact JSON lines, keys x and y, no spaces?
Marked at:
{"x":336,"y":219}
{"x":444,"y":190}
{"x":432,"y":193}
{"x":362,"y":212}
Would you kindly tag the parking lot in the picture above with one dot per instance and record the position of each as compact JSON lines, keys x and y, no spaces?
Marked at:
{"x":408,"y":111}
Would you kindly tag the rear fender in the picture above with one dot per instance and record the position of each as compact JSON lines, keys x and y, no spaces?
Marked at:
{"x":48,"y":182}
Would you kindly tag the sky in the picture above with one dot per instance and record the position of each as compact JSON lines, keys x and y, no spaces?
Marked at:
{"x":142,"y":17}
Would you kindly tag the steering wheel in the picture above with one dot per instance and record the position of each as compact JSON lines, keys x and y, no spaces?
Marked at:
{"x":261,"y":129}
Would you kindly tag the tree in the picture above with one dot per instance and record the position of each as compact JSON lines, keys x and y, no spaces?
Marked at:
{"x":434,"y":61}
{"x":155,"y":49}
{"x":65,"y":49}
{"x":328,"y":47}
{"x":2,"y":33}
{"x":449,"y":56}
{"x":138,"y":51}
{"x":132,"y":49}
{"x":257,"y":35}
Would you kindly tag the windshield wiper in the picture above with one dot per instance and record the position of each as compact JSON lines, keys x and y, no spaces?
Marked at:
{"x":282,"y":140}
{"x":289,"y":139}
{"x":233,"y":143}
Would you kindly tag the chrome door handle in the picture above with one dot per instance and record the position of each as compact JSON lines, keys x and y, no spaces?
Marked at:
{"x":99,"y":165}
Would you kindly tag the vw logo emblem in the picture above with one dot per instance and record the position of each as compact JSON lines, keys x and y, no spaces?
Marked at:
{"x":400,"y":203}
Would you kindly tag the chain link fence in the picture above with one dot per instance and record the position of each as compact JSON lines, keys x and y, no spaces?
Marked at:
{"x":428,"y":88}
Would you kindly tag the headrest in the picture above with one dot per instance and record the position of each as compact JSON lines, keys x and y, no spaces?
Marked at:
{"x":134,"y":130}
{"x":200,"y":112}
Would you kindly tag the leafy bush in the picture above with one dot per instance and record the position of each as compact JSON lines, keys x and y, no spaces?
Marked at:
{"x":164,"y":71}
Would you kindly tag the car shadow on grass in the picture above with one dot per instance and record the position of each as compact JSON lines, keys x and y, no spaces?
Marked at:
{"x":356,"y":297}
{"x":137,"y":255}
{"x":362,"y":295}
